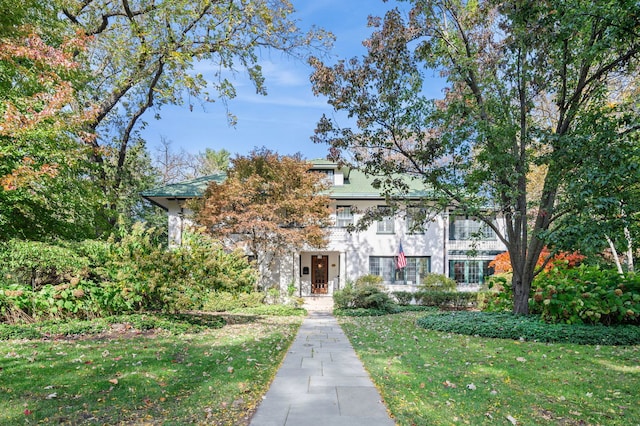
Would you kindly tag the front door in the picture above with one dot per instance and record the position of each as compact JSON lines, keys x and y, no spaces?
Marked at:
{"x":319,"y":274}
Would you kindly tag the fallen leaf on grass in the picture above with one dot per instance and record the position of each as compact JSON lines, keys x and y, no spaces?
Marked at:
{"x":448,"y":384}
{"x":113,"y":381}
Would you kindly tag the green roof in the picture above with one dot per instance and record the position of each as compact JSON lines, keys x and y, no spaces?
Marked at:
{"x":187,"y":189}
{"x":182,"y":190}
{"x":357,"y":185}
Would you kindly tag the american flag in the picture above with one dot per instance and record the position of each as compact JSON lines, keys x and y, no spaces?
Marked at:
{"x":402,"y":261}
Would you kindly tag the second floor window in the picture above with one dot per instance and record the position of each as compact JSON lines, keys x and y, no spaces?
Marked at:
{"x":466,"y":228}
{"x":385,"y":223}
{"x":415,"y":220}
{"x":344,"y":216}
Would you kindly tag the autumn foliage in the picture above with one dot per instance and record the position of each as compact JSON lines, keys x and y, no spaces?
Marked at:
{"x":268,"y":205}
{"x":502,"y":263}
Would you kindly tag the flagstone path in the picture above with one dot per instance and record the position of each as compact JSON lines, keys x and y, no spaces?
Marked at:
{"x":321,"y":381}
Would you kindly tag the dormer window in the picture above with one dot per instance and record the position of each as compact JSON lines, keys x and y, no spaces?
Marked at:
{"x":329,"y":173}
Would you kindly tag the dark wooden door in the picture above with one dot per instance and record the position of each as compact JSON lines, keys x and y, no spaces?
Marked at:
{"x":319,"y":275}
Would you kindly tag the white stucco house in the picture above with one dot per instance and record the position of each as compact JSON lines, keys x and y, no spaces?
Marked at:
{"x":459,"y":247}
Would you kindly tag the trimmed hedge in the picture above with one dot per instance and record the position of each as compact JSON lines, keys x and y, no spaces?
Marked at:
{"x":360,"y":312}
{"x":448,"y":299}
{"x":529,"y":328}
{"x":403,"y":298}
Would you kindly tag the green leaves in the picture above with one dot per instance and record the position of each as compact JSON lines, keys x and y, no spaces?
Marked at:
{"x":515,"y":129}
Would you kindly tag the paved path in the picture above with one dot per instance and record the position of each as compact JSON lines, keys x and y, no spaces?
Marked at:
{"x":321,"y":382}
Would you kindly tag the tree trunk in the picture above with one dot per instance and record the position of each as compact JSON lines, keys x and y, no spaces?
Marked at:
{"x":521,"y":284}
{"x":627,"y":235}
{"x":614,"y":252}
{"x":521,"y":290}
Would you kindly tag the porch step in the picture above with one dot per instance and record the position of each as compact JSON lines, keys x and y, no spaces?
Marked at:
{"x":318,"y":303}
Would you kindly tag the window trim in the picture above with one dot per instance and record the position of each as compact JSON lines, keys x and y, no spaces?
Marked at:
{"x":391,"y":275}
{"x":344,"y":221}
{"x":472,"y":229}
{"x":386,"y":225}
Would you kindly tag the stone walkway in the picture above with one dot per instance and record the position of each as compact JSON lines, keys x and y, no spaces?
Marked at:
{"x":321,"y":381}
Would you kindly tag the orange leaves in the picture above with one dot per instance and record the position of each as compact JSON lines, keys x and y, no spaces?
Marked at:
{"x":33,"y":48}
{"x":502,"y":263}
{"x":26,"y":173}
{"x":269,"y":202}
{"x":44,"y":87}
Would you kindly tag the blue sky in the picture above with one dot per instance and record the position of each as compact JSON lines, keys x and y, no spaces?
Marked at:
{"x":283,"y":120}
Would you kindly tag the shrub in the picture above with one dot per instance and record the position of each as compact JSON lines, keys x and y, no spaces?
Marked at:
{"x":359,"y":312}
{"x":438,"y":282}
{"x":403,"y":297}
{"x":130,"y":273}
{"x":369,"y":280}
{"x":142,"y":275}
{"x":343,"y":298}
{"x":448,"y":299}
{"x":364,"y":295}
{"x":499,"y":297}
{"x":529,"y":328}
{"x":221,"y":301}
{"x":251,"y":300}
{"x":36,"y":264}
{"x":587,"y":295}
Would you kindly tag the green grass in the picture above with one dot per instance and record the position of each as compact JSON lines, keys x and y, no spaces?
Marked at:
{"x":212,"y":376}
{"x":438,"y":378}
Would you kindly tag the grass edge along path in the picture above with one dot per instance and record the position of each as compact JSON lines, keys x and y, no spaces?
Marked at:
{"x":215,"y":376}
{"x":439,"y":378}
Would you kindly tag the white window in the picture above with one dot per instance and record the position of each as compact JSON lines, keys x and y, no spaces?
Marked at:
{"x":415,"y":220}
{"x":327,"y":173}
{"x":385,"y":223}
{"x":386,"y":267}
{"x":344,"y":216}
{"x":470,"y":272}
{"x":464,"y":228}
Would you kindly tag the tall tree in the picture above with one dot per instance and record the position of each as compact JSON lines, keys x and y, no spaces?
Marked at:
{"x":524,"y":79}
{"x":144,"y":54}
{"x":605,"y":199}
{"x":269,"y":205}
{"x":174,"y":166}
{"x":43,"y":187}
{"x":211,"y":161}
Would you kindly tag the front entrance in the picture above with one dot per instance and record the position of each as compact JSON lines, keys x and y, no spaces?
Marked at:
{"x":319,"y":274}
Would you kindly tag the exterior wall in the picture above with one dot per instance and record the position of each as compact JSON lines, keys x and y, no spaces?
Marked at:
{"x":349,"y":253}
{"x":179,"y":221}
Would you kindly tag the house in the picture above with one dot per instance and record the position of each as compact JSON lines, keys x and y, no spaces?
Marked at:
{"x":457,"y":246}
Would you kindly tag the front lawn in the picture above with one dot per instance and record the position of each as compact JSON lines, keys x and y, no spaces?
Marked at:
{"x":127,"y":376}
{"x":438,"y":378}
